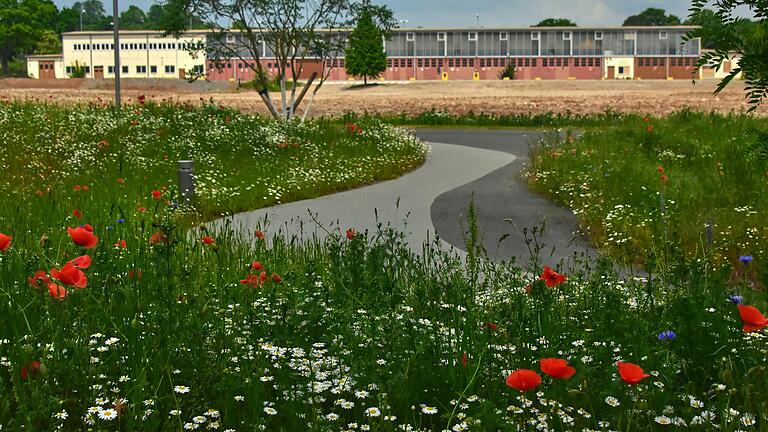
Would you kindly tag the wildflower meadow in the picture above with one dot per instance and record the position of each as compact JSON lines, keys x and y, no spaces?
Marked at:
{"x":120,"y":314}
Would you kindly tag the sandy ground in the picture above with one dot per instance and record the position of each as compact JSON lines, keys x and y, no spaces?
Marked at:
{"x":456,"y":97}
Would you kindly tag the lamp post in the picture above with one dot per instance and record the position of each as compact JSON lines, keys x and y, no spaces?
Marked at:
{"x":477,"y":17}
{"x":82,"y":11}
{"x":116,"y":40}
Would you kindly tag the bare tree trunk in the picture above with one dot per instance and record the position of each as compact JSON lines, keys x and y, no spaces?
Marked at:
{"x":283,"y":96}
{"x":303,"y":93}
{"x":264,"y":93}
{"x":309,"y":106}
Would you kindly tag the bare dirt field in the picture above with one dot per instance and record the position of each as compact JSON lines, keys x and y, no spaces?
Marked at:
{"x":455,"y":97}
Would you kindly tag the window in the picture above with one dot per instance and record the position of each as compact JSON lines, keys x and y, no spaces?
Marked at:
{"x":597,"y":62}
{"x":567,"y":35}
{"x":663,"y":35}
{"x":559,"y":62}
{"x":533,"y":62}
{"x":450,"y":62}
{"x":170,"y":69}
{"x":630,"y":35}
{"x":464,"y":62}
{"x":527,"y":62}
{"x":434,"y":63}
{"x":87,"y":69}
{"x":441,"y":36}
{"x":198,"y":69}
{"x":535,"y":35}
{"x":410,"y":37}
{"x":153,"y":69}
{"x":70,"y":69}
{"x":230,"y":39}
{"x":420,"y":63}
{"x":239,"y":65}
{"x":473,"y":36}
{"x":598,"y":35}
{"x":565,"y":62}
{"x":621,"y":70}
{"x":590,"y":63}
{"x":389,"y":63}
{"x":503,"y":36}
{"x":471,"y":62}
{"x":141,"y":69}
{"x":125,"y":69}
{"x":495,"y":62}
{"x":410,"y":63}
{"x":110,"y":69}
{"x":655,"y":61}
{"x":229,"y":65}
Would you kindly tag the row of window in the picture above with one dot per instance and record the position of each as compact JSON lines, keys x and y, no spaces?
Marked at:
{"x":536,"y":35}
{"x":492,"y":62}
{"x":131,"y":46}
{"x":661,"y":61}
{"x":140,"y":69}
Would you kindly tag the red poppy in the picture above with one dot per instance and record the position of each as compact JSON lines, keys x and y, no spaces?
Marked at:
{"x":5,"y":242}
{"x":649,"y":129}
{"x":121,"y":180}
{"x":256,"y":266}
{"x":523,"y":380}
{"x":38,"y":280}
{"x":82,"y":262}
{"x":552,"y":278}
{"x":134,"y":274}
{"x":32,"y":367}
{"x":83,"y":236}
{"x":464,"y":360}
{"x":57,"y":291}
{"x":259,"y":234}
{"x":156,"y":194}
{"x":121,"y":244}
{"x":647,"y":120}
{"x":556,"y":368}
{"x":76,"y":187}
{"x":142,"y":209}
{"x":157,"y":238}
{"x":753,"y":319}
{"x":142,"y":99}
{"x":70,"y":275}
{"x":661,"y":169}
{"x":251,"y":280}
{"x":664,"y":179}
{"x":631,"y":373}
{"x":86,"y":188}
{"x":263,"y":276}
{"x":351,"y":233}
{"x":491,"y":326}
{"x":276,"y":278}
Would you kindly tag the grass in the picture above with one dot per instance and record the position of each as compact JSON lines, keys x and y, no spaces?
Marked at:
{"x":178,"y":331}
{"x":242,"y":162}
{"x":689,"y":179}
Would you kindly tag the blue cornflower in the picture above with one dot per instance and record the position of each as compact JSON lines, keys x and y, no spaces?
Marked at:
{"x":746,"y":259}
{"x":736,"y":299}
{"x":667,"y":335}
{"x":110,"y":228}
{"x":121,"y":220}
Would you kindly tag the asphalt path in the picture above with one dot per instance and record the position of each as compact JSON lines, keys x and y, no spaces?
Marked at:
{"x":483,"y":166}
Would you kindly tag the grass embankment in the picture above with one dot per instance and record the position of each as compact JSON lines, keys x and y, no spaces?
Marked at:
{"x":242,"y":162}
{"x":641,"y":183}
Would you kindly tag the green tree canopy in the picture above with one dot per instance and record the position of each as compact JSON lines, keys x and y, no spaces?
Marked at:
{"x":49,"y":43}
{"x":22,"y":25}
{"x":133,"y":18}
{"x":556,"y":22}
{"x":365,"y":55}
{"x":734,"y":36}
{"x":652,"y":17}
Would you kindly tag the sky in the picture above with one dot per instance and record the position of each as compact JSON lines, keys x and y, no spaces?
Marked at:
{"x":507,"y":13}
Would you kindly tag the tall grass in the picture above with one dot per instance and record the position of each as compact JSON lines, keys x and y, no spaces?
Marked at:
{"x":690,"y":179}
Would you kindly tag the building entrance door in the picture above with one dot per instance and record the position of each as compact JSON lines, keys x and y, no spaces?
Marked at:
{"x":611,"y":72}
{"x":98,"y":72}
{"x":182,"y":73}
{"x":46,"y":70}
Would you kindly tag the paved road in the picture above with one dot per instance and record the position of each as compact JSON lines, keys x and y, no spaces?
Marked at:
{"x":434,"y":198}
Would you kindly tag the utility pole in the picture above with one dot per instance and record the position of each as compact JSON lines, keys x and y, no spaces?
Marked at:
{"x":116,"y":39}
{"x":478,"y":20}
{"x":82,"y":10}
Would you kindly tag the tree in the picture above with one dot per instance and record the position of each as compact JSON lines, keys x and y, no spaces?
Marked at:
{"x":22,"y":25}
{"x":297,"y":34}
{"x":133,"y":18}
{"x":556,"y":22}
{"x":733,"y":36}
{"x":93,"y":14}
{"x":652,"y":17}
{"x":365,"y":54}
{"x":172,"y":14}
{"x":49,"y":43}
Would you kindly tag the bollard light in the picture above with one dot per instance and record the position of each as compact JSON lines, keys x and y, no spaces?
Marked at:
{"x":187,"y":181}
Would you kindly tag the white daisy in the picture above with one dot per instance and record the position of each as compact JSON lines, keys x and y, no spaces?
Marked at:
{"x":372,"y":412}
{"x":181,"y":389}
{"x":108,"y":414}
{"x":429,"y":410}
{"x":663,"y":420}
{"x":270,"y":411}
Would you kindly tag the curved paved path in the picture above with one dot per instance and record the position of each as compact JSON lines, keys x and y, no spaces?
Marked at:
{"x":461,"y":164}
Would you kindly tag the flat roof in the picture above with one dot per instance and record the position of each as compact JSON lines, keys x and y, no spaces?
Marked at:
{"x":416,"y":29}
{"x":45,"y":56}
